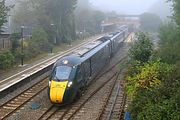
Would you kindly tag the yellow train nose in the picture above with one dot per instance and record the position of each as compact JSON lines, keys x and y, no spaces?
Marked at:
{"x":57,"y":90}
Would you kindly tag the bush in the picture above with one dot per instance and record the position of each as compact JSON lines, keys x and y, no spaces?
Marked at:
{"x":142,"y":49}
{"x":6,"y":59}
{"x":148,"y":76}
{"x":169,"y":43}
{"x":38,"y":44}
{"x":40,"y":39}
{"x":153,"y":90}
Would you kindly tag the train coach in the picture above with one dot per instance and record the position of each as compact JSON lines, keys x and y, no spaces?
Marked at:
{"x":73,"y":73}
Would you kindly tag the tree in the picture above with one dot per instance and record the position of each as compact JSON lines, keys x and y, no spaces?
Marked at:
{"x":147,"y":76}
{"x":15,"y":37}
{"x":169,"y":43}
{"x":89,"y":21}
{"x":142,"y":49}
{"x":176,"y":8}
{"x":3,"y":12}
{"x":150,"y":22}
{"x":39,"y":43}
{"x":43,"y":13}
{"x":151,"y":88}
{"x":24,"y":14}
{"x":160,"y":102}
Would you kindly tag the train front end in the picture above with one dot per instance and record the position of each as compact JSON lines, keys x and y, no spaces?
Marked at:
{"x":62,"y":87}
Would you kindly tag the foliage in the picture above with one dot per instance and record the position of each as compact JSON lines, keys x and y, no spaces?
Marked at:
{"x":161,"y":101}
{"x":150,"y":22}
{"x":24,"y":15}
{"x":151,"y":88}
{"x":40,"y":38}
{"x":44,"y":13}
{"x":176,"y":8}
{"x":89,"y":20}
{"x":154,"y":85}
{"x":15,"y":37}
{"x":148,"y":76}
{"x":142,"y":49}
{"x":6,"y":59}
{"x":37,"y":44}
{"x":3,"y":12}
{"x":169,"y":43}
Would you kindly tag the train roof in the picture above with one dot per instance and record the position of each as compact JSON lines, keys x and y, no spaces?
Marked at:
{"x":86,"y":51}
{"x":93,"y":51}
{"x":70,"y":60}
{"x":86,"y":48}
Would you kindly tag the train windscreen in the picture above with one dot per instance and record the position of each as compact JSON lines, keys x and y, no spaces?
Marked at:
{"x":61,"y":73}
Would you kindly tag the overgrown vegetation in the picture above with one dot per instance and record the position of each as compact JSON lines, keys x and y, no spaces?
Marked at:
{"x":169,"y":43}
{"x":153,"y":84}
{"x":150,"y":22}
{"x":3,"y":12}
{"x":142,"y":49}
{"x":37,"y":44}
{"x":48,"y":24}
{"x":6,"y":59}
{"x":55,"y":17}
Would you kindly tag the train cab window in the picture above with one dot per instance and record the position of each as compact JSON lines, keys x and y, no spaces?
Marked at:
{"x":61,"y":73}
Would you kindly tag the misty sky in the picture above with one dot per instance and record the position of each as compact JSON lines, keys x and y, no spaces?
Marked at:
{"x":124,"y":6}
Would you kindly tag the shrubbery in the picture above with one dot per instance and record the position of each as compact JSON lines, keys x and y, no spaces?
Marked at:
{"x":141,"y":49}
{"x":6,"y":59}
{"x":32,"y":47}
{"x":38,"y":44}
{"x":153,"y":83}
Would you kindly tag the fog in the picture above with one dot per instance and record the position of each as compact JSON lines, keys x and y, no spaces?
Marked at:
{"x":124,"y":6}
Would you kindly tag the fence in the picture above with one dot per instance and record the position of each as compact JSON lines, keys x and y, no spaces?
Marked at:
{"x":5,"y":42}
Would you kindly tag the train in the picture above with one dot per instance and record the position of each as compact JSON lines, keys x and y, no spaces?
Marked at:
{"x":72,"y":73}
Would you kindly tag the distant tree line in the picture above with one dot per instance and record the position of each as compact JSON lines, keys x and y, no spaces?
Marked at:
{"x":87,"y":19}
{"x":59,"y":18}
{"x":55,"y":17}
{"x":153,"y":80}
{"x":48,"y":23}
{"x":3,"y":12}
{"x":150,"y":22}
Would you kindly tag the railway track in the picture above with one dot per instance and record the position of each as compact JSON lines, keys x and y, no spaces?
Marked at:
{"x":68,"y":112}
{"x":14,"y":104}
{"x":113,"y":106}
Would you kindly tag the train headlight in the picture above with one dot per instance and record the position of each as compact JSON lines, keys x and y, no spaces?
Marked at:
{"x":49,"y":83}
{"x":69,"y":84}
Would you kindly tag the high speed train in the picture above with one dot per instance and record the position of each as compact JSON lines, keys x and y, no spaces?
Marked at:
{"x":71,"y":74}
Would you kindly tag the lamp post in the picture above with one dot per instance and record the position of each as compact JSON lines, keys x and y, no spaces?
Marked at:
{"x":55,"y":38}
{"x":22,"y":46}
